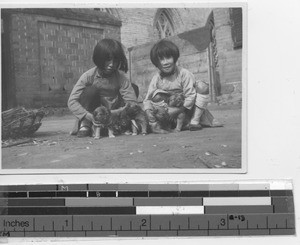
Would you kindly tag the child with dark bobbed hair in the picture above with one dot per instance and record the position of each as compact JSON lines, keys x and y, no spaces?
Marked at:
{"x":103,"y":85}
{"x":172,"y":79}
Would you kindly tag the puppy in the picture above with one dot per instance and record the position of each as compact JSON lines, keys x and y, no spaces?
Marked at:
{"x":162,"y":101}
{"x":102,"y":120}
{"x":134,"y":118}
{"x":177,"y":100}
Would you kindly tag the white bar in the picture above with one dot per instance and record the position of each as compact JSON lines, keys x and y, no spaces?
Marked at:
{"x":255,"y":186}
{"x":236,"y":201}
{"x":169,"y":210}
{"x":282,"y":185}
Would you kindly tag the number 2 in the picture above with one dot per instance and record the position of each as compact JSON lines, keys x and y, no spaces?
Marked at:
{"x":144,"y":221}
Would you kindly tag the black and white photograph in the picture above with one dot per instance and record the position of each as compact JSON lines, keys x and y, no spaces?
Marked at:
{"x":124,"y":89}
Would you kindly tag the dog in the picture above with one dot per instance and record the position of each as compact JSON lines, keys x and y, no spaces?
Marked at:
{"x":164,"y":100}
{"x":134,"y":118}
{"x":102,"y":119}
{"x":177,"y":100}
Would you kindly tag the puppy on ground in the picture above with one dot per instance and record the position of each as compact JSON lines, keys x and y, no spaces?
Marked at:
{"x":102,"y":120}
{"x":134,"y":118}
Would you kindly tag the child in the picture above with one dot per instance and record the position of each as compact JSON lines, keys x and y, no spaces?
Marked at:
{"x":170,"y":78}
{"x":173,"y":79}
{"x":105,"y":84}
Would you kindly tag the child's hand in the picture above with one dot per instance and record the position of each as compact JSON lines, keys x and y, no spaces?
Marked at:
{"x":89,"y":116}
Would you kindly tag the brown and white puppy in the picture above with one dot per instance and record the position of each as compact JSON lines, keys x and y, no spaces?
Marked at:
{"x":177,"y":100}
{"x":102,"y":120}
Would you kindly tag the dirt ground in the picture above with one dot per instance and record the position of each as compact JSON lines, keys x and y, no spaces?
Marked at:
{"x":52,"y":147}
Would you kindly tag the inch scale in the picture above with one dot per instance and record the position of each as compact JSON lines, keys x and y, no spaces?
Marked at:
{"x":120,"y":210}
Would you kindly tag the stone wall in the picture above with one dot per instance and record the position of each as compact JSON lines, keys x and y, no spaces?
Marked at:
{"x":138,"y":23}
{"x":193,"y":58}
{"x":229,"y":59}
{"x":50,"y":50}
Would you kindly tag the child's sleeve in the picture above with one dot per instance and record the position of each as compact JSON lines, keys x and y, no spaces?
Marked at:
{"x":73,"y":102}
{"x":189,"y":91}
{"x":151,"y":89}
{"x":126,"y":90}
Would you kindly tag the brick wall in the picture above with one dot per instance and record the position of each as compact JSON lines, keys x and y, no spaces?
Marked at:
{"x":49,"y":53}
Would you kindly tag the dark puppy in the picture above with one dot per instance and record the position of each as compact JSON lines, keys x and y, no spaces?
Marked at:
{"x":134,"y":118}
{"x":102,"y":120}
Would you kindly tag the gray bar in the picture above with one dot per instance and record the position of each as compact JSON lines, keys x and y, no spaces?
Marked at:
{"x":281,"y":221}
{"x":53,"y":223}
{"x":254,"y":232}
{"x":3,"y":201}
{"x":163,"y":187}
{"x":193,"y":233}
{"x":131,"y":222}
{"x":162,"y":233}
{"x":99,"y":202}
{"x":223,"y":232}
{"x":103,"y":187}
{"x":257,"y":221}
{"x":193,"y":187}
{"x":40,"y":234}
{"x":208,"y":221}
{"x":282,"y":200}
{"x":17,"y":234}
{"x":132,"y":233}
{"x":16,"y":223}
{"x":283,"y":204}
{"x":282,"y":232}
{"x":238,"y":209}
{"x":176,"y":201}
{"x":92,"y":222}
{"x":223,"y":187}
{"x":77,"y":187}
{"x":101,"y":234}
{"x":70,"y":234}
{"x":132,"y":187}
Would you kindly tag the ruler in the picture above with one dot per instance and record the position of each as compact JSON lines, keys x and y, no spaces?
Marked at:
{"x":147,"y":210}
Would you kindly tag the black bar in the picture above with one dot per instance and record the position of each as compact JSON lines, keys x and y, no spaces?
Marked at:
{"x":102,"y":194}
{"x":254,"y":193}
{"x":133,"y":193}
{"x":194,"y":194}
{"x":36,"y":202}
{"x":14,"y":194}
{"x":42,"y":194}
{"x":71,"y":194}
{"x":37,"y":211}
{"x":100,"y":210}
{"x":224,"y":193}
{"x":163,"y":193}
{"x":281,"y":192}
